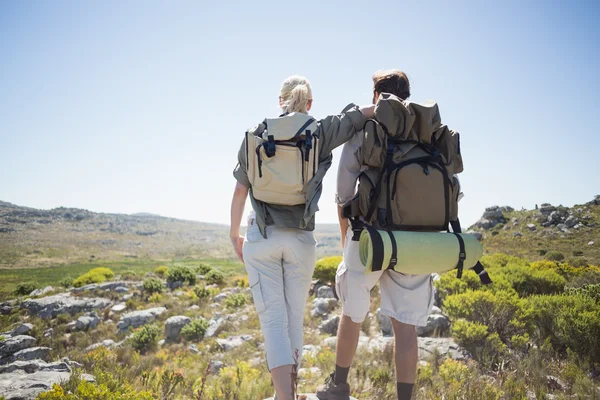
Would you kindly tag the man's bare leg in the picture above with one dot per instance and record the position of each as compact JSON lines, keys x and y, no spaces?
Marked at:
{"x":347,"y":342}
{"x":282,"y":380}
{"x":406,"y":357}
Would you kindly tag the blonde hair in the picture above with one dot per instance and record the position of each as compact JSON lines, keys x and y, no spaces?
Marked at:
{"x":295,"y":94}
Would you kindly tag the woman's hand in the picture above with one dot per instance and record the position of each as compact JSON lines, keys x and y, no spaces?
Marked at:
{"x":238,"y":244}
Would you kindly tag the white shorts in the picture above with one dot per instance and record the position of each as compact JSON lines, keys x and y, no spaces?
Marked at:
{"x":405,"y":298}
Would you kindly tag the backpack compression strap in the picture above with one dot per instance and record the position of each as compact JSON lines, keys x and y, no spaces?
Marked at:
{"x":478,"y":268}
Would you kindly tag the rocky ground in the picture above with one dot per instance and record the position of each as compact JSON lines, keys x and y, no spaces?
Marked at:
{"x":29,"y":366}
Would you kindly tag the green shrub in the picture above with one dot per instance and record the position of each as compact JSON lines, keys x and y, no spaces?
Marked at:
{"x":203,"y":269}
{"x":106,"y":272}
{"x":555,"y":256}
{"x":66,"y":282}
{"x":202,"y":292}
{"x":130,"y":275}
{"x":24,"y":288}
{"x":578,"y":262}
{"x":153,"y":285}
{"x":145,"y":337}
{"x":88,"y":278}
{"x":592,"y":291}
{"x":485,"y":347}
{"x":528,"y":281}
{"x":502,"y":312}
{"x":235,"y":301}
{"x":161,"y":271}
{"x":501,"y":260}
{"x":568,"y":322}
{"x":214,"y":277}
{"x":577,"y":253}
{"x":585,"y":279}
{"x":542,"y":252}
{"x":195,"y":330}
{"x":182,"y":274}
{"x":326,"y":268}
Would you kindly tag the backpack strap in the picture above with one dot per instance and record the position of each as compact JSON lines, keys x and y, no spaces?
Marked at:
{"x":478,"y":268}
{"x":394,"y":257}
{"x":389,"y":156}
{"x":377,"y":243}
{"x":462,"y":255}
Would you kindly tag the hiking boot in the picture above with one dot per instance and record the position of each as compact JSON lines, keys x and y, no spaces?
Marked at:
{"x":331,"y":391}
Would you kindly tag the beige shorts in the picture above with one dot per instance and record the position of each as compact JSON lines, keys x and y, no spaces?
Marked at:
{"x":406,"y":298}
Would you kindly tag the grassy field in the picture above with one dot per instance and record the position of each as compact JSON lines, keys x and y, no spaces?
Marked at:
{"x":44,"y":276}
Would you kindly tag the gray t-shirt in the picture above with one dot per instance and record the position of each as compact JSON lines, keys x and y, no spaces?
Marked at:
{"x":332,"y":131}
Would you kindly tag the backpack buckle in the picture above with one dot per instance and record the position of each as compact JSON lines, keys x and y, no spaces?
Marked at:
{"x":270,"y":146}
{"x":462,"y":256}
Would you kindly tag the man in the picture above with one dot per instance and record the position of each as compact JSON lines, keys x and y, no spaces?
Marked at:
{"x":406,"y":299}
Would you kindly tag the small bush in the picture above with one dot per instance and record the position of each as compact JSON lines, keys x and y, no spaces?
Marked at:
{"x":235,"y":301}
{"x":202,"y":292}
{"x":145,"y":337}
{"x":485,"y":347}
{"x":241,"y":282}
{"x":106,"y":272}
{"x":195,"y":330}
{"x":181,"y":274}
{"x":88,"y":278}
{"x":592,"y":291}
{"x":130,"y":275}
{"x":155,"y":298}
{"x":161,"y":271}
{"x":153,"y":285}
{"x":578,"y":262}
{"x":23,"y":289}
{"x":326,"y":268}
{"x":577,"y":253}
{"x":66,"y":282}
{"x":542,"y":252}
{"x":203,"y":269}
{"x":555,"y":256}
{"x":214,"y":277}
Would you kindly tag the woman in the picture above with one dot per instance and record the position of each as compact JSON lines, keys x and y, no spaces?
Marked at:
{"x":279,"y":248}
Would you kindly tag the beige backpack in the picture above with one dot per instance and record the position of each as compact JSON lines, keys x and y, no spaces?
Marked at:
{"x":282,"y":157}
{"x":409,"y":159}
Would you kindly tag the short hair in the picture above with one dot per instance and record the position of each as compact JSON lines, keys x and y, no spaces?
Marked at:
{"x":392,"y":81}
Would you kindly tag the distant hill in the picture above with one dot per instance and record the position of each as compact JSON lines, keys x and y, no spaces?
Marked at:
{"x":32,"y":238}
{"x":554,"y":232}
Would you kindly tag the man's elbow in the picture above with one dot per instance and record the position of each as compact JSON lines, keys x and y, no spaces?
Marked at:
{"x":240,"y":190}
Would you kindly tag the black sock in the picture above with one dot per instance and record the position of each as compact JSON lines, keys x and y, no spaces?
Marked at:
{"x":404,"y":390}
{"x":341,"y":375}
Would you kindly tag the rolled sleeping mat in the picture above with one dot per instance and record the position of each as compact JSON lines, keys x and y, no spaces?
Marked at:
{"x":416,"y":252}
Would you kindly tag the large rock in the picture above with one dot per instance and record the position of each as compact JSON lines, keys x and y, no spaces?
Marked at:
{"x":571,"y":221}
{"x":19,"y":330}
{"x":437,"y":325}
{"x":12,"y":344}
{"x":546,"y":209}
{"x":385,"y":323}
{"x":138,"y":318}
{"x":325,"y":292}
{"x":85,"y":322}
{"x":213,"y":326}
{"x":330,"y":325}
{"x":484,"y":223}
{"x":174,"y":325}
{"x":41,"y":292}
{"x":108,"y":343}
{"x":51,"y":306}
{"x":24,"y":380}
{"x":554,"y":218}
{"x":32,"y":353}
{"x":233,"y":342}
{"x":445,"y":347}
{"x":322,"y":306}
{"x":105,"y":286}
{"x":493,"y":213}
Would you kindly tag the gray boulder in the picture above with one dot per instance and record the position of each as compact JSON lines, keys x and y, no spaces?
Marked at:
{"x":174,"y":285}
{"x":546,"y":209}
{"x":517,"y":234}
{"x":478,"y":235}
{"x":233,"y":342}
{"x":12,"y":344}
{"x":117,"y":308}
{"x":105,"y":286}
{"x":21,"y":329}
{"x":108,"y":343}
{"x":531,"y":227}
{"x":322,"y":306}
{"x":437,"y":325}
{"x":51,"y":306}
{"x":571,"y":221}
{"x":138,"y":318}
{"x":330,"y":325}
{"x":215,"y":366}
{"x":484,"y":223}
{"x":493,"y":213}
{"x":213,"y":326}
{"x":41,"y":292}
{"x":325,"y":292}
{"x":36,"y":365}
{"x":554,"y":218}
{"x":121,"y":289}
{"x":32,"y":353}
{"x":385,"y":323}
{"x":85,"y":322}
{"x":23,"y":386}
{"x":174,"y":325}
{"x":221,"y":296}
{"x":444,"y":346}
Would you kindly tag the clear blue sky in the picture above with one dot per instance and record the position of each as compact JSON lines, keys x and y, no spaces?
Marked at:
{"x":141,"y":105}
